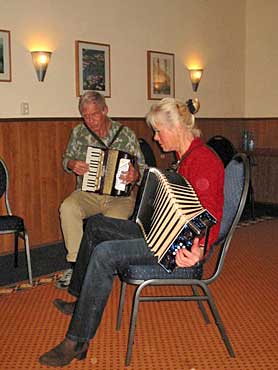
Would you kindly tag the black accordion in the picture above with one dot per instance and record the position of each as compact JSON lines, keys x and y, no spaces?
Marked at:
{"x":170,"y":215}
{"x":105,"y":168}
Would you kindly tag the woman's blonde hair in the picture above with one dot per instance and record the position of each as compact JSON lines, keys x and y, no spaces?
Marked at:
{"x":170,"y":111}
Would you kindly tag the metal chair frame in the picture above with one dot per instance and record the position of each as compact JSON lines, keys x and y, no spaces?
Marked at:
{"x":23,"y":234}
{"x":203,"y":284}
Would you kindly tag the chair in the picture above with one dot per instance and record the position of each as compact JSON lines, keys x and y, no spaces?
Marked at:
{"x":223,"y":148}
{"x":11,"y":224}
{"x":147,"y":152}
{"x":237,"y":175}
{"x":226,"y":150}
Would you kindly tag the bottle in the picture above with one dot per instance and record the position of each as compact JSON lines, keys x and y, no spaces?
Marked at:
{"x":251,"y":143}
{"x":245,"y":140}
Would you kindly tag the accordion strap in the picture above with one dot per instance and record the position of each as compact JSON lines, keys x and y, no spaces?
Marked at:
{"x":101,"y":142}
{"x":176,"y":165}
{"x":116,"y":135}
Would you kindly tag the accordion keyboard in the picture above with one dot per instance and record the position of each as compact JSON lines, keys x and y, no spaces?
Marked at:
{"x":91,"y":179}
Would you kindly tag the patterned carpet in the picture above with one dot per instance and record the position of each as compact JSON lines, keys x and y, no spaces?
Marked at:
{"x":169,"y":336}
{"x":52,"y":277}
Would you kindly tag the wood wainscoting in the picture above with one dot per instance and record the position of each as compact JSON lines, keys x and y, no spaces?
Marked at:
{"x":33,"y":148}
{"x":264,"y":158}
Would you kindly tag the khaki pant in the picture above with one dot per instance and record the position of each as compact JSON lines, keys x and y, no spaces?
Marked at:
{"x":80,"y":205}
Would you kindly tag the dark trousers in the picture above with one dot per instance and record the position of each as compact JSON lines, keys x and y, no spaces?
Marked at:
{"x":95,"y":269}
{"x":98,"y":229}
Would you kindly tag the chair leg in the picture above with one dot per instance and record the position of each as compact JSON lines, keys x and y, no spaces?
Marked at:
{"x":252,"y":201}
{"x":133,"y":318}
{"x":201,"y":306}
{"x":218,"y":321}
{"x":16,"y":249}
{"x":28,"y":257}
{"x":121,"y":305}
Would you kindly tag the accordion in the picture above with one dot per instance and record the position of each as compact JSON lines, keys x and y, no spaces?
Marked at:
{"x":105,"y":168}
{"x":170,"y":215}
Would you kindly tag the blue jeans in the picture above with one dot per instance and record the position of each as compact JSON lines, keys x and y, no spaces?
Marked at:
{"x":105,"y":259}
{"x":94,"y":272}
{"x":98,"y":229}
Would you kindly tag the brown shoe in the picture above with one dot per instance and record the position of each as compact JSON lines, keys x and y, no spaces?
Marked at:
{"x":66,"y":308}
{"x":64,"y":353}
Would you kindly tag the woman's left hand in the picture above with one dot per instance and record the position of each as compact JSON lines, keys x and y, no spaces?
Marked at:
{"x":185,"y":258}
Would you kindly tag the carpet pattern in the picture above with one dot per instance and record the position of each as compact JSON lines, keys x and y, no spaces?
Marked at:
{"x":169,"y":335}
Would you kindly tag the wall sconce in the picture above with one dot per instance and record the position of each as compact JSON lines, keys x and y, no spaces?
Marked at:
{"x":195,"y":77}
{"x":41,"y":60}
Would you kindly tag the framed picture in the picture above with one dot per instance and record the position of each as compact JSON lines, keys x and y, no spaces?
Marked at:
{"x":5,"y":56}
{"x":161,"y":75}
{"x":92,"y":67}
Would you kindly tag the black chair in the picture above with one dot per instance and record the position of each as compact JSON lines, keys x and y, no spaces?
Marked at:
{"x":223,"y":148}
{"x":11,"y":224}
{"x":226,"y":150}
{"x":237,"y":175}
{"x":147,"y":152}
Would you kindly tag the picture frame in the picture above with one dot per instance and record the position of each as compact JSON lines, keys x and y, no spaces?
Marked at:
{"x":5,"y":56}
{"x":161,"y":75}
{"x":92,"y":61}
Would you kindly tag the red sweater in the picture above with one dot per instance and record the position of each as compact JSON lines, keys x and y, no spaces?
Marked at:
{"x":205,"y":172}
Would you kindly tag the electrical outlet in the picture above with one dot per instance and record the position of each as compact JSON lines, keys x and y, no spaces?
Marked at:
{"x":24,"y":108}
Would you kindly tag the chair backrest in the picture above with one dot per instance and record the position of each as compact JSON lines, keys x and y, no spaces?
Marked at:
{"x":223,"y":148}
{"x":237,"y":178}
{"x":3,"y":178}
{"x":147,"y":152}
{"x":4,"y":184}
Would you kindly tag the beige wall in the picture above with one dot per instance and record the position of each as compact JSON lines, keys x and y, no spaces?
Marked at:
{"x":211,"y":32}
{"x":261,"y":59}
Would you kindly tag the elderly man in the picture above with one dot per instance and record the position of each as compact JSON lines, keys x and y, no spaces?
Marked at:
{"x":96,"y":130}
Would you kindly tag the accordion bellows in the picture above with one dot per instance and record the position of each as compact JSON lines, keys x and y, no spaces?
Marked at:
{"x":170,"y":215}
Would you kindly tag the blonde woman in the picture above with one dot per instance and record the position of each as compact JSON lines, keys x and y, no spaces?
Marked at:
{"x":110,"y":244}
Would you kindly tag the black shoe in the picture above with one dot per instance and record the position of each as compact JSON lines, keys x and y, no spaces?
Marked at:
{"x":64,"y":353}
{"x":66,"y":308}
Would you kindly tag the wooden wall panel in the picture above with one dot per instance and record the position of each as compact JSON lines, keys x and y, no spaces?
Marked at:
{"x":33,"y":152}
{"x":265,"y":155}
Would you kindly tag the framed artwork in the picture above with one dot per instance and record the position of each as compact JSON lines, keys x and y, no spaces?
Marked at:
{"x":5,"y":56}
{"x":161,"y":75}
{"x":92,"y":67}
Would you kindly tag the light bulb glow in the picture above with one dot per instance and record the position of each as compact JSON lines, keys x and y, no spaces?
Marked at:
{"x":195,"y":77}
{"x":41,"y":60}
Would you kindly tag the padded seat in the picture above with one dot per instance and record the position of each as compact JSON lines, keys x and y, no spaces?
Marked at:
{"x":155,"y":271}
{"x":12,"y":224}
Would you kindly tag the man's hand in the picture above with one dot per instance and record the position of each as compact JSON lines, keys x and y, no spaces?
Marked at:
{"x":78,"y":167}
{"x":130,"y":176}
{"x":185,"y":258}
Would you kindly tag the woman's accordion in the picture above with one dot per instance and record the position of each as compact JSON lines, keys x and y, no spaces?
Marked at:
{"x":170,"y":215}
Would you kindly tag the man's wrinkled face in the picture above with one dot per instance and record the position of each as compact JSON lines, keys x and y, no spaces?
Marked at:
{"x":93,"y":116}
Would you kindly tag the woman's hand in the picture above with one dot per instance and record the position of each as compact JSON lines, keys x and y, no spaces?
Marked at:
{"x":185,"y":258}
{"x":78,"y":167}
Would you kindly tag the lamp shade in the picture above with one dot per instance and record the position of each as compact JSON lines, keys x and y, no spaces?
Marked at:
{"x":195,"y":77}
{"x":41,"y":60}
